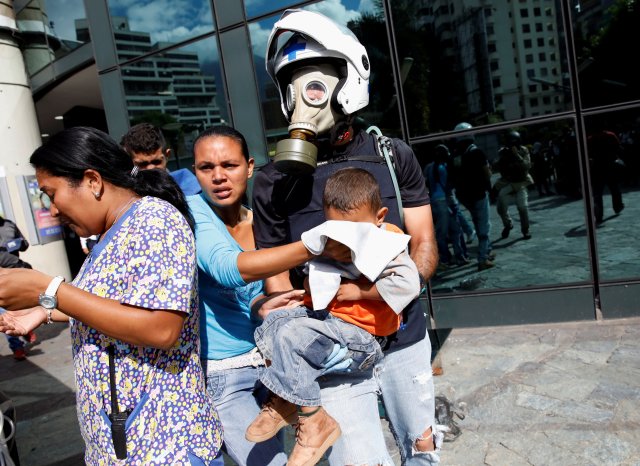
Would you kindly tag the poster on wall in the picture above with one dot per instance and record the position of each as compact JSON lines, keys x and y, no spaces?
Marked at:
{"x":48,"y":228}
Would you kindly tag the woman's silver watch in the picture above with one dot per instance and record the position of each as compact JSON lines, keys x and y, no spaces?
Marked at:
{"x":48,"y":299}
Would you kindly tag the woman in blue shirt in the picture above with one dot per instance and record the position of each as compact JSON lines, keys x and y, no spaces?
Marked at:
{"x":230,"y":284}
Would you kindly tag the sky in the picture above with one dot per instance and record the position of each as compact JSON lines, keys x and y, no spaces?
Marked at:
{"x":166,"y":20}
{"x":63,"y":13}
{"x":341,"y":12}
{"x":178,"y":20}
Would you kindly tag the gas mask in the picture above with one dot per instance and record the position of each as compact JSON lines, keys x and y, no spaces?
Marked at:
{"x":317,"y":99}
{"x":308,"y":104}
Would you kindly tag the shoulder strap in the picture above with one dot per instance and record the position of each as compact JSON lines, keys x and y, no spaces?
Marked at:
{"x":385,"y":147}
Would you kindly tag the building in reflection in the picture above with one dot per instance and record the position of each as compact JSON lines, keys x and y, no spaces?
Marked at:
{"x":170,"y":82}
{"x":41,"y":45}
{"x":508,"y":56}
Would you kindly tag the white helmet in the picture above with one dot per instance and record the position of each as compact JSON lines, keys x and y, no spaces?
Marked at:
{"x":318,"y":38}
{"x":462,"y":126}
{"x":467,"y":136}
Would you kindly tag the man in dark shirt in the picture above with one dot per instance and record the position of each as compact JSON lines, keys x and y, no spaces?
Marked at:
{"x":11,"y":238}
{"x":514,"y":163}
{"x":605,"y":166}
{"x":287,"y":204}
{"x":472,"y":181}
{"x":12,"y":242}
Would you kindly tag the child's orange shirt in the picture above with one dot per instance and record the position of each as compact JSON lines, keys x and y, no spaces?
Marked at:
{"x":376,"y":317}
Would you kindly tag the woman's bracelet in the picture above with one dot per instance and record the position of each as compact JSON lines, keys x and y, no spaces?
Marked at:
{"x":48,"y":313}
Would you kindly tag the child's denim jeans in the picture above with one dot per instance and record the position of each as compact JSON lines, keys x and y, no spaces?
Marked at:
{"x":297,"y":341}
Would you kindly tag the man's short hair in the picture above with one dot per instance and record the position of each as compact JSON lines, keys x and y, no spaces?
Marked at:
{"x":352,"y":188}
{"x":143,"y":138}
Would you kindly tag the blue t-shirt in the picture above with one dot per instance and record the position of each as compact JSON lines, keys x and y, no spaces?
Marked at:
{"x":438,"y":188}
{"x":187,"y":181}
{"x":226,"y":325}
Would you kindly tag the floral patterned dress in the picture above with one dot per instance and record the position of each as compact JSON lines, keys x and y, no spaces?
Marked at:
{"x":147,"y":259}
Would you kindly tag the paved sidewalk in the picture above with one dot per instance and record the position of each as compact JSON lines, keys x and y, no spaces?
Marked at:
{"x":553,"y":394}
{"x":43,"y":389}
{"x":559,"y":394}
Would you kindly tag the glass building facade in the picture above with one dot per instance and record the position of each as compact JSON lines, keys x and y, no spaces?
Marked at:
{"x":558,"y":72}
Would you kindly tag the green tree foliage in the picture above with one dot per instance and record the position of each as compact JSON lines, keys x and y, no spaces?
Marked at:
{"x":607,"y":54}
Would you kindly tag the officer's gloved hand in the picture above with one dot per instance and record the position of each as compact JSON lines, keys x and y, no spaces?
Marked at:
{"x":336,"y":361}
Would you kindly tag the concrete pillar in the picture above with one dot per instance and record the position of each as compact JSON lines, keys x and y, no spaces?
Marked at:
{"x":19,"y":137}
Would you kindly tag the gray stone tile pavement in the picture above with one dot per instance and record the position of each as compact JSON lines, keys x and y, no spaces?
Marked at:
{"x":557,"y":394}
{"x":552,"y":394}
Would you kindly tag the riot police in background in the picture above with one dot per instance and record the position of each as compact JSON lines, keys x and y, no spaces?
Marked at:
{"x":605,"y":167}
{"x":514,"y":163}
{"x":472,"y":181}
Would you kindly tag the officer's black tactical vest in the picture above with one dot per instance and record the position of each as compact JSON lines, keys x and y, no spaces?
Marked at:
{"x":303,"y":204}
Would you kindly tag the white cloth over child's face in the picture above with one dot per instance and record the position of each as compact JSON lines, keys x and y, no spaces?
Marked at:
{"x":372,"y":249}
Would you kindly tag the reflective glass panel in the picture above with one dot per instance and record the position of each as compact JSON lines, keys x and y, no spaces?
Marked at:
{"x":606,"y":33}
{"x":531,"y":205}
{"x":177,"y":90}
{"x":502,"y":61}
{"x":613,"y":144}
{"x":50,"y":30}
{"x":369,"y":27}
{"x":274,"y":121}
{"x":141,"y":25}
{"x":260,"y":7}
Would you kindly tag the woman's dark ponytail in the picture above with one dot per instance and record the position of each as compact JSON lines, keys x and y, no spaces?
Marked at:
{"x":71,"y":152}
{"x":159,"y":183}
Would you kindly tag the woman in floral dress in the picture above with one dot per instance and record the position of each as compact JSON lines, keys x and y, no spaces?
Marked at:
{"x":134,"y":303}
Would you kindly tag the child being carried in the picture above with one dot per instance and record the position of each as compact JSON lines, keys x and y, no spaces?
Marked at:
{"x":357,"y":306}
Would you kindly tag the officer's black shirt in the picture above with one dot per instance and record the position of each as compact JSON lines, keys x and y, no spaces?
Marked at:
{"x":285,"y":206}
